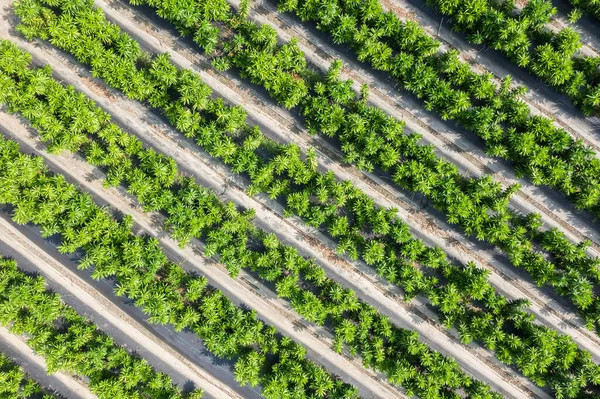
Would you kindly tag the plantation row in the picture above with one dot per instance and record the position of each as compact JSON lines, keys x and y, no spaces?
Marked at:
{"x":588,"y":6}
{"x":342,"y":205}
{"x":162,"y":289}
{"x":522,"y":37}
{"x":477,"y":205}
{"x":193,"y":211}
{"x":66,"y":340}
{"x":16,"y":385}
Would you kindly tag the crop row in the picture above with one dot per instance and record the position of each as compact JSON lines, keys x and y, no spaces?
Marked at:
{"x":195,"y":212}
{"x":370,"y":138}
{"x":164,"y":291}
{"x":67,"y":341}
{"x":14,"y":383}
{"x":588,"y":6}
{"x":384,"y":241}
{"x":521,"y":36}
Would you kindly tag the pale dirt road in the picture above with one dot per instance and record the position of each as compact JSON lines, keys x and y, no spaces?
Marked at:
{"x":35,"y":367}
{"x":108,"y":316}
{"x":547,"y":307}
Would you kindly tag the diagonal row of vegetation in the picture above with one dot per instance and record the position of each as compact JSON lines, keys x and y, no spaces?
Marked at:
{"x":591,"y":7}
{"x":382,"y":239}
{"x":164,"y":291}
{"x":368,"y":136}
{"x":69,"y":342}
{"x":67,"y":119}
{"x":15,"y":384}
{"x":524,"y":38}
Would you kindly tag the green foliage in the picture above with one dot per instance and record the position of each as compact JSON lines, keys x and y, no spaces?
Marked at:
{"x":70,"y":343}
{"x":479,"y":205}
{"x":14,"y":384}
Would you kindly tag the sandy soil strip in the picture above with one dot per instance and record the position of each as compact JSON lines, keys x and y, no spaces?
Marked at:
{"x":120,"y":323}
{"x":35,"y":366}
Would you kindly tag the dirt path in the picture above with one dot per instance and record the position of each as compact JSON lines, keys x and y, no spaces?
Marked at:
{"x":589,"y":40}
{"x":35,"y":366}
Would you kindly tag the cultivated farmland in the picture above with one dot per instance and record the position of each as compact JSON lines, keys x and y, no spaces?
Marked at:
{"x":299,"y":199}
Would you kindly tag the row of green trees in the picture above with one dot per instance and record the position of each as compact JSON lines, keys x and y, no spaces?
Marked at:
{"x":588,"y":6}
{"x":380,"y":238}
{"x":228,"y":233}
{"x":524,"y":38}
{"x":69,"y":342}
{"x":162,"y":289}
{"x":371,"y":139}
{"x":15,"y":384}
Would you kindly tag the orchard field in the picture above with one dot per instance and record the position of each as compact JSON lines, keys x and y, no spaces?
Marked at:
{"x":299,"y":199}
